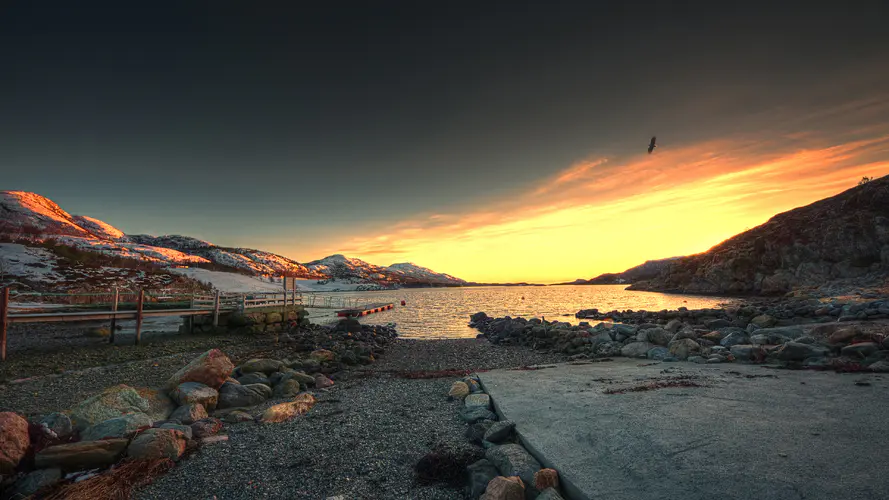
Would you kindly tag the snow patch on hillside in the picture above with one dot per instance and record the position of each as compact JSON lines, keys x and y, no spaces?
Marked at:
{"x":34,"y":264}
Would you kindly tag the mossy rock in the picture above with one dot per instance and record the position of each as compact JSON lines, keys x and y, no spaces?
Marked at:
{"x":257,"y":328}
{"x":273,"y":317}
{"x":257,"y":317}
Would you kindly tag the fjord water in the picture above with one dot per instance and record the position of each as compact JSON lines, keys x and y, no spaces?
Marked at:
{"x":444,"y":312}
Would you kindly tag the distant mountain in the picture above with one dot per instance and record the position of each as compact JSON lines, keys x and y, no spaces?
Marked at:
{"x":28,"y":217}
{"x":644,"y":271}
{"x":838,"y":238}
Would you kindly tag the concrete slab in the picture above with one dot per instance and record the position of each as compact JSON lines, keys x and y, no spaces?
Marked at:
{"x":748,"y":433}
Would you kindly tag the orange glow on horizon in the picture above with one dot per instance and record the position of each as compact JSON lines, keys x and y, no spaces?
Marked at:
{"x":609,"y":214}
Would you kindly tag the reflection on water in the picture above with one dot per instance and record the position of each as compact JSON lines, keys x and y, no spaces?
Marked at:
{"x":444,"y":312}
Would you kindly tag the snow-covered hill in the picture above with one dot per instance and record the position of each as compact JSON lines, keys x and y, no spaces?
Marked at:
{"x":32,"y":219}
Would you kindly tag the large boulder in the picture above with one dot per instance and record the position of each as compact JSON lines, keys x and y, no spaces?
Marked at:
{"x":474,"y":414}
{"x":764,"y":321}
{"x":267,"y":366}
{"x":683,"y":348}
{"x":117,"y":427}
{"x":636,"y":349}
{"x":673,"y":326}
{"x":323,"y":355}
{"x":254,"y":378}
{"x":157,"y":443}
{"x":478,"y":475}
{"x":734,"y":338}
{"x":28,"y":485}
{"x":475,"y":433}
{"x":796,"y":351}
{"x":656,"y":336}
{"x":184,"y":429}
{"x":504,"y":488}
{"x":322,"y":382}
{"x":81,"y":455}
{"x":239,"y":396}
{"x":748,"y":352}
{"x":546,"y":478}
{"x":189,"y":414}
{"x":285,"y":411}
{"x":210,"y":368}
{"x":195,"y":393}
{"x":160,"y":405}
{"x":844,"y":335}
{"x":14,"y":441}
{"x":499,"y":431}
{"x":459,"y":390}
{"x":287,"y":389}
{"x":480,"y":399}
{"x":301,"y":377}
{"x":513,"y":460}
{"x":860,"y":350}
{"x":112,"y":402}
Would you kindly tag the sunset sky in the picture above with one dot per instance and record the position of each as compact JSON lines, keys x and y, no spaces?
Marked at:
{"x":496,"y":143}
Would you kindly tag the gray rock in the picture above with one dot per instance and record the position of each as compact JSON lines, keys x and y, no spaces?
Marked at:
{"x":656,"y":336}
{"x":747,"y":352}
{"x":118,"y":427}
{"x":475,"y":414}
{"x":480,"y":400}
{"x":242,"y":396}
{"x":763,"y":321}
{"x":499,"y":431}
{"x":805,"y":339}
{"x":880,"y":367}
{"x":58,"y":423}
{"x":476,"y":432}
{"x":718,"y":323}
{"x":479,"y":474}
{"x":513,"y":460}
{"x":184,"y":429}
{"x":301,"y":377}
{"x":860,"y":350}
{"x":254,"y":378}
{"x":189,"y":414}
{"x":673,"y":326}
{"x":734,"y":338}
{"x":267,"y":366}
{"x":287,"y":389}
{"x":794,"y":351}
{"x":658,"y":353}
{"x":636,"y":349}
{"x":81,"y":455}
{"x":33,"y":482}
{"x":697,"y":359}
{"x":683,"y":348}
{"x":206,"y":427}
{"x":195,"y":392}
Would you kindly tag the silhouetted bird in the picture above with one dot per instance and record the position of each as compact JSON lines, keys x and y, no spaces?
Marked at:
{"x":652,"y":145}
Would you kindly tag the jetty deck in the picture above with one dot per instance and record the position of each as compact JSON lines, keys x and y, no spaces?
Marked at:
{"x":365,"y":309}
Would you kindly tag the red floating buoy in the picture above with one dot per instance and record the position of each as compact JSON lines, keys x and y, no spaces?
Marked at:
{"x":403,"y":302}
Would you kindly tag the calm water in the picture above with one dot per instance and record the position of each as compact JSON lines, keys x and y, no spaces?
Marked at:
{"x":444,"y":312}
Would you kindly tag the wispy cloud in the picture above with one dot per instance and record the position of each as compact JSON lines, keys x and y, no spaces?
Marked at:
{"x":607,"y":214}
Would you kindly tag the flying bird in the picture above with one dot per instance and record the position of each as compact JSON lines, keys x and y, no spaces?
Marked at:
{"x":652,"y":145}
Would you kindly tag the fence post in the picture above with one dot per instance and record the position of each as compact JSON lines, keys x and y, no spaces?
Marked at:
{"x":244,"y":303}
{"x":139,"y":316}
{"x":114,"y":317}
{"x":216,"y":310}
{"x":4,"y":320}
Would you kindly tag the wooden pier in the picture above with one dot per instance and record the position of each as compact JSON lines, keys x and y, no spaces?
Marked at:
{"x":365,"y":309}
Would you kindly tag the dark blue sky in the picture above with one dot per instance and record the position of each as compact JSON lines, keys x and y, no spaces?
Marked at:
{"x":262,"y":126}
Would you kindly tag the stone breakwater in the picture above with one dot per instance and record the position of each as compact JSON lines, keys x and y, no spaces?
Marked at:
{"x":783,"y":312}
{"x":505,"y":471}
{"x":121,"y":424}
{"x":790,"y":338}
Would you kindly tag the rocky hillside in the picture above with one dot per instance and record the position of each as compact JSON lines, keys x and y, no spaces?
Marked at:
{"x":839,"y":238}
{"x":646,"y":271}
{"x":33,"y":220}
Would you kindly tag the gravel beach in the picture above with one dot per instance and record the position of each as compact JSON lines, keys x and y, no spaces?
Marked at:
{"x":361,"y":440}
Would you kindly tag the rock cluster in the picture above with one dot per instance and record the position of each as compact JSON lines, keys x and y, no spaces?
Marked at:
{"x":142,"y":423}
{"x":508,"y":471}
{"x":746,"y":334}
